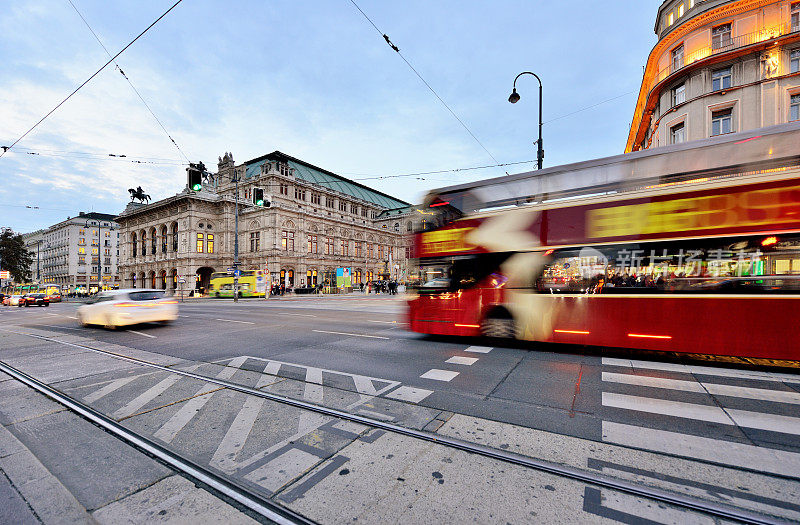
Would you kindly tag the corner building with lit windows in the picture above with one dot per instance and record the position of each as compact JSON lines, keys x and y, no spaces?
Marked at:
{"x":720,"y":66}
{"x":317,"y":221}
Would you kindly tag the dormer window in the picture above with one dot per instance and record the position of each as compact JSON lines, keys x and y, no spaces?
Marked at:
{"x":721,"y":36}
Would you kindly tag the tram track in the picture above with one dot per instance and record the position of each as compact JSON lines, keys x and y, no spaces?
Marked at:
{"x":278,"y":513}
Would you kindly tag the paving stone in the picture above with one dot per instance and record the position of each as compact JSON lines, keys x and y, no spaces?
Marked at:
{"x":171,"y":500}
{"x":94,"y":466}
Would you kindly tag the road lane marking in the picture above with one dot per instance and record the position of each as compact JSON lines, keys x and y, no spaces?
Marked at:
{"x":141,"y":333}
{"x":345,"y":333}
{"x":760,"y":459}
{"x":383,"y":322}
{"x":147,"y":396}
{"x":439,"y":375}
{"x":703,"y":370}
{"x":765,"y":421}
{"x":299,"y":315}
{"x":234,"y":321}
{"x":711,"y":413}
{"x":479,"y":349}
{"x":111,"y":387}
{"x":410,"y":394}
{"x":761,"y":394}
{"x":181,"y":418}
{"x":458,"y":360}
{"x":654,"y":382}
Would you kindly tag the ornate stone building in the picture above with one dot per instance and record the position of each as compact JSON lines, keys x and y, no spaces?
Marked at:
{"x":317,"y":221}
{"x":720,"y":66}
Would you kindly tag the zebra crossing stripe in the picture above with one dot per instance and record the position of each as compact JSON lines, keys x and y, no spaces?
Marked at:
{"x":740,"y":455}
{"x":761,"y":394}
{"x":702,"y":370}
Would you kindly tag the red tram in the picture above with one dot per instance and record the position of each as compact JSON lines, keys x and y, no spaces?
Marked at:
{"x":690,"y":248}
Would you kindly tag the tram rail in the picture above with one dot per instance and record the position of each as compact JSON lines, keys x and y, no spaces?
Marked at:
{"x":280,"y":514}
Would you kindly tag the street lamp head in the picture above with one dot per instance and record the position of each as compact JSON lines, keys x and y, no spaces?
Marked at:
{"x":514,"y":96}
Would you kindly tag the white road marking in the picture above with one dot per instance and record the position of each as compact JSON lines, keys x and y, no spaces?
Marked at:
{"x":298,"y":315}
{"x":709,"y":413}
{"x":439,"y":375}
{"x":353,"y":335}
{"x":704,"y":370}
{"x":714,"y":414}
{"x":147,"y":396}
{"x":181,"y":418}
{"x":382,"y":322}
{"x":762,"y":394}
{"x":410,"y":394}
{"x":111,"y":387}
{"x":458,"y":360}
{"x":224,"y":457}
{"x":761,"y":459}
{"x":479,"y":349}
{"x":234,"y":321}
{"x":62,"y":327}
{"x":140,"y":333}
{"x":270,"y":371}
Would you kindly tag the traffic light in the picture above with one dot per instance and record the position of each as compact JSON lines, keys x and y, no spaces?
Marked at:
{"x":195,"y":176}
{"x":258,"y":198}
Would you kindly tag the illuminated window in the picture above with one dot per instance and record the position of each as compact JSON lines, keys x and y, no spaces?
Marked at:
{"x":370,"y":250}
{"x":81,"y":231}
{"x":311,"y":243}
{"x":680,"y":10}
{"x":329,"y":246}
{"x":344,"y":247}
{"x":199,"y":243}
{"x":794,"y":61}
{"x":722,"y":122}
{"x":721,"y":79}
{"x":210,"y":243}
{"x":670,"y":18}
{"x":794,"y":108}
{"x":358,"y":249}
{"x":287,"y":241}
{"x":82,"y":250}
{"x":677,"y":133}
{"x":94,"y":251}
{"x":679,"y":94}
{"x":721,"y":36}
{"x":82,"y":241}
{"x":677,"y":58}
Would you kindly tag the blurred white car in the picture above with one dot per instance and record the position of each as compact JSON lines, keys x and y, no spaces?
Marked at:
{"x":126,"y":307}
{"x":16,"y":300}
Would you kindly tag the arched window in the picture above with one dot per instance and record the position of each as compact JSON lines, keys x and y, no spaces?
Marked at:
{"x":397,"y":226}
{"x":409,"y":226}
{"x":133,"y":243}
{"x":164,"y":238}
{"x":174,"y":236}
{"x":133,"y":280}
{"x":144,"y":243}
{"x":174,"y":278}
{"x":153,"y":243}
{"x":290,"y":276}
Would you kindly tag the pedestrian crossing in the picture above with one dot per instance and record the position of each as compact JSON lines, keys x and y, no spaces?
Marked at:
{"x":744,"y":418}
{"x":255,"y":439}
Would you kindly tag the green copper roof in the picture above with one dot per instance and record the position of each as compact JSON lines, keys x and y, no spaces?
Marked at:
{"x":325,"y":179}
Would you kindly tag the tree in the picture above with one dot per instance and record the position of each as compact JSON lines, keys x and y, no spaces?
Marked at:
{"x":14,"y":257}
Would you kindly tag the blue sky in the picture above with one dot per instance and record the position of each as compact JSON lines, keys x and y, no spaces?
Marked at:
{"x":312,"y":79}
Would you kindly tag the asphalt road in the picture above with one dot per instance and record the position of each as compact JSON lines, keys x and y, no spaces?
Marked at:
{"x":356,"y":345}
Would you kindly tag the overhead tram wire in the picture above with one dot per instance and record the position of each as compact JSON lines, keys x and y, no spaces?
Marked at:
{"x":129,"y":82}
{"x":397,"y":50}
{"x":589,"y":107}
{"x":6,"y":148}
{"x":99,"y":156}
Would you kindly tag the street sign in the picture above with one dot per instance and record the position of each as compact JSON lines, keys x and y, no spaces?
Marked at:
{"x":5,"y":274}
{"x":230,"y":270}
{"x":237,"y":272}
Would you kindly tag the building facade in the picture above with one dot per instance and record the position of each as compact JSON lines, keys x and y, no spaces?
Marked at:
{"x":316,"y":221}
{"x":78,"y":253}
{"x":720,"y":66}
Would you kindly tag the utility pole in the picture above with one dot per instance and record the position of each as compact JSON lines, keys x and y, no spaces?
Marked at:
{"x":38,"y":276}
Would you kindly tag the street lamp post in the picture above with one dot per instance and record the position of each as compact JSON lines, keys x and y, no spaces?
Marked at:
{"x":99,"y":254}
{"x":514,"y":98}
{"x":38,"y":273}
